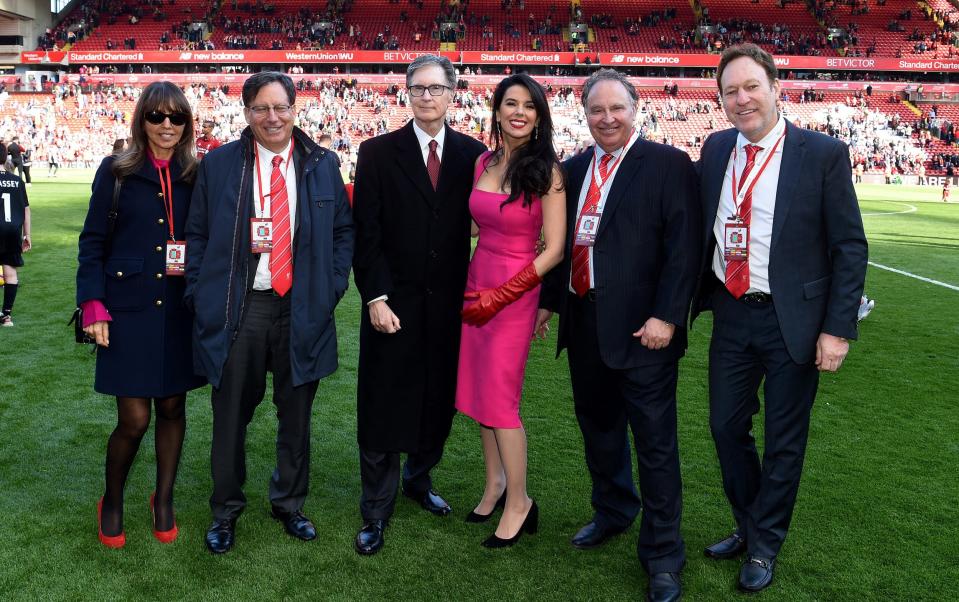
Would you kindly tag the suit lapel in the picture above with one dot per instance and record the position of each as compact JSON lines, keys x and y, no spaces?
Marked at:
{"x":629,"y":168}
{"x":410,"y":159}
{"x":578,"y":172}
{"x":453,"y":163}
{"x":791,"y":166}
{"x":714,"y":176}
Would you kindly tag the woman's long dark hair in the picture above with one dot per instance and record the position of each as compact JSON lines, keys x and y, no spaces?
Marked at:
{"x":530,"y":168}
{"x":165,"y":97}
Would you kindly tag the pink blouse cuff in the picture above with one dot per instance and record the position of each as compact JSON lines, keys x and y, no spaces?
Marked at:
{"x":94,"y":311}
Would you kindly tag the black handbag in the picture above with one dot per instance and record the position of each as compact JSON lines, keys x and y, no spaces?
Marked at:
{"x":76,"y":319}
{"x":78,"y":333}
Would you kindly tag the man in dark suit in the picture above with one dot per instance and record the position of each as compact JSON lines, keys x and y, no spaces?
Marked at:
{"x":623,"y":294}
{"x":412,"y":253}
{"x":269,"y":246}
{"x":783,"y":271}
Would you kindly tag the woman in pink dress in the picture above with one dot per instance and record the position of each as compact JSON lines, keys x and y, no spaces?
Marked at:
{"x":518,"y":193}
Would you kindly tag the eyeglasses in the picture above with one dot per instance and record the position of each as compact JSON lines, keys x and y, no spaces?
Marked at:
{"x":156,"y":118}
{"x":435,"y":90}
{"x":263,"y":110}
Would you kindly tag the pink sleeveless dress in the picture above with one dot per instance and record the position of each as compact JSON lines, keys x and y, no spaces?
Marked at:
{"x":492,"y":359}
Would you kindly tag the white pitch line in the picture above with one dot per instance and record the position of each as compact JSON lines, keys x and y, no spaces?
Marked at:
{"x":911,"y":275}
{"x":911,"y":209}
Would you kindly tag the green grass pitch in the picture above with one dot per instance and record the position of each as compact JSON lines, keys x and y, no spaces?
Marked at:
{"x":877,"y":516}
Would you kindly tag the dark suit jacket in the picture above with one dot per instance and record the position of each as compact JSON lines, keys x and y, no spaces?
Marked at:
{"x":413,"y":244}
{"x":646,"y":253}
{"x":818,"y":252}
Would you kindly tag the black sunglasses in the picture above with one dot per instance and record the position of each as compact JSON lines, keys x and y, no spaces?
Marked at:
{"x":156,"y":118}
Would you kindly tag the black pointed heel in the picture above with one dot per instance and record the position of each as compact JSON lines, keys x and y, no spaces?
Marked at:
{"x":530,"y":525}
{"x":473,"y":517}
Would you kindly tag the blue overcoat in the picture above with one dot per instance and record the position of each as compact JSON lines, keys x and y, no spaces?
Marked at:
{"x":150,"y":348}
{"x":220,"y":265}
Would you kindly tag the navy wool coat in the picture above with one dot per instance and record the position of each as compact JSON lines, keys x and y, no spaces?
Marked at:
{"x":220,"y":266}
{"x":149,"y":352}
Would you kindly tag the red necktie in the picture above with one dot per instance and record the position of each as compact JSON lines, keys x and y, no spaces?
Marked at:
{"x":433,"y":164}
{"x":737,"y":270}
{"x":580,"y":270}
{"x":281,"y":258}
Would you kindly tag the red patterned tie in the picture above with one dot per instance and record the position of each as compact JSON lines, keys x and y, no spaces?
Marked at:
{"x":737,"y":270}
{"x":433,"y":164}
{"x":281,"y":258}
{"x":580,"y":271}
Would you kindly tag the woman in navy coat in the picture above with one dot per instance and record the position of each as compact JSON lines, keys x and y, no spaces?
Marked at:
{"x":132,"y":299}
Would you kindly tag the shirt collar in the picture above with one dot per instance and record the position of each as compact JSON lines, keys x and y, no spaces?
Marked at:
{"x":768,"y":140}
{"x":600,"y":152}
{"x":424,"y":139}
{"x":266,"y":155}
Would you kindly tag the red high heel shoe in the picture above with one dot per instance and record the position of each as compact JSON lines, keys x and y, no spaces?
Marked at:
{"x":110,"y":541}
{"x":163,"y":536}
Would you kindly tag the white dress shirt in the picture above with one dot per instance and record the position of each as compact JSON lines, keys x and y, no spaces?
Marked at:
{"x":262,"y":280}
{"x":603,"y":193}
{"x":424,"y":141}
{"x":764,"y":206}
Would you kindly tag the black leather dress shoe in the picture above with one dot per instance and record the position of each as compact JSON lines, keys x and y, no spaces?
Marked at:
{"x":756,"y":573}
{"x":732,"y":546}
{"x":296,"y":524}
{"x":370,"y":538}
{"x":593,"y":535}
{"x":664,"y":587}
{"x":430,"y":500}
{"x":221,"y":535}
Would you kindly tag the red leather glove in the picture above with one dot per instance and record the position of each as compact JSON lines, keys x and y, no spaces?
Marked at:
{"x":490,"y":301}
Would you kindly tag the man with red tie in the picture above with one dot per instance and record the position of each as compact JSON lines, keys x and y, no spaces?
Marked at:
{"x":269,"y":247}
{"x":411,"y":204}
{"x":623,"y":294}
{"x":783,"y":270}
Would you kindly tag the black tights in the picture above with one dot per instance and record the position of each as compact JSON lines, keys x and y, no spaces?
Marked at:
{"x":133,"y":419}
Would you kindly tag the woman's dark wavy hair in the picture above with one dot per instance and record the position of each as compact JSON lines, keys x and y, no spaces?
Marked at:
{"x":531,"y":166}
{"x":165,"y":97}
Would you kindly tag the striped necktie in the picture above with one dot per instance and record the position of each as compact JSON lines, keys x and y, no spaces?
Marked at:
{"x":737,"y":270}
{"x":580,"y":270}
{"x":281,"y":258}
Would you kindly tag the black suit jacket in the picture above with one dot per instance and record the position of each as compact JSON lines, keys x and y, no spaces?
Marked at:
{"x":646,"y":255}
{"x":413,"y":244}
{"x":818,"y":252}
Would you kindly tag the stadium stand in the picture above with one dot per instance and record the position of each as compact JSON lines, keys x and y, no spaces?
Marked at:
{"x":882,"y":130}
{"x":814,"y":27}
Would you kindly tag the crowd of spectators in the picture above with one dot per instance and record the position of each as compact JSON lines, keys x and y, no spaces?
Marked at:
{"x":81,"y":123}
{"x":258,"y":24}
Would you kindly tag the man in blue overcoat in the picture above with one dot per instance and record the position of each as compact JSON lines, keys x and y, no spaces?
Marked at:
{"x":269,"y":248}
